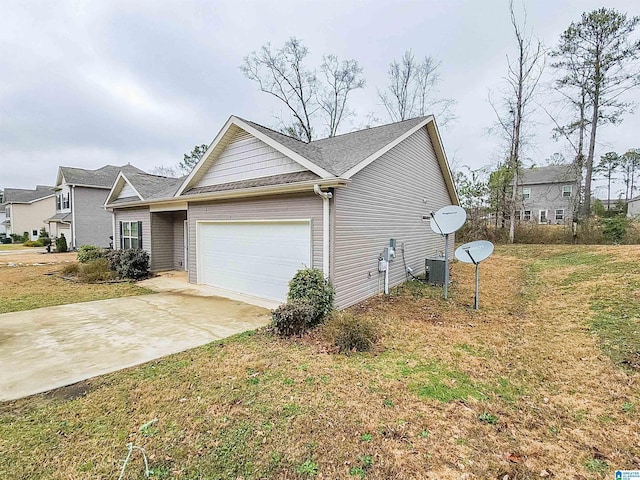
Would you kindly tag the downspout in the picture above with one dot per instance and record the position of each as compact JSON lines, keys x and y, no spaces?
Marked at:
{"x":325,"y":227}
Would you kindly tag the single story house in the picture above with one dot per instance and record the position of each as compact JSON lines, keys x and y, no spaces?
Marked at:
{"x":80,"y":196}
{"x":260,"y":205}
{"x":633,"y":207}
{"x":25,"y":209}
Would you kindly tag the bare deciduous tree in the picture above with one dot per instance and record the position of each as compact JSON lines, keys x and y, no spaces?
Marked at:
{"x":597,"y":62}
{"x":523,"y":76}
{"x":412,"y":89}
{"x":283,"y":74}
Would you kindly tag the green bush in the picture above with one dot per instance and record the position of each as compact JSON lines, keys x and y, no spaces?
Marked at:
{"x":310,"y":285}
{"x":88,"y":253}
{"x":33,"y":243}
{"x":133,"y":263}
{"x":6,"y":240}
{"x":350,"y":333}
{"x":113,"y":256}
{"x":615,"y":228}
{"x":292,"y":318}
{"x":17,"y":238}
{"x":61,"y":244}
{"x":44,"y":238}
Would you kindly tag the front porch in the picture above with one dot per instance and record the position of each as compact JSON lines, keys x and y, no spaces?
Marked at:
{"x":169,"y":241}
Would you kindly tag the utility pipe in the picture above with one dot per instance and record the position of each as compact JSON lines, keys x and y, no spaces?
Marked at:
{"x":325,"y":227}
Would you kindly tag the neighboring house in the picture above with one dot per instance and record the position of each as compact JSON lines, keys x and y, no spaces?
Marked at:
{"x":80,"y":197}
{"x":633,"y":207}
{"x":3,"y":229}
{"x":550,"y":195}
{"x":260,"y":205}
{"x":25,"y":210}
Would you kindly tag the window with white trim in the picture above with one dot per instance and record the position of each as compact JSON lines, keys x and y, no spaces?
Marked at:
{"x":518,"y":215}
{"x":527,"y":215}
{"x":567,"y":190}
{"x":526,"y":193}
{"x":542,"y":216}
{"x":560,"y":214}
{"x":130,"y":235}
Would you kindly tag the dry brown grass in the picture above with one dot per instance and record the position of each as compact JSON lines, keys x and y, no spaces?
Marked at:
{"x":35,"y":286}
{"x":259,"y":407}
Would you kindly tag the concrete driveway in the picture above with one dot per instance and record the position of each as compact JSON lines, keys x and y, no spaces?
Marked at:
{"x":56,"y":346}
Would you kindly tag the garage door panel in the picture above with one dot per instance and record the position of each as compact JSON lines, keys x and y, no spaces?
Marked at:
{"x":256,"y":258}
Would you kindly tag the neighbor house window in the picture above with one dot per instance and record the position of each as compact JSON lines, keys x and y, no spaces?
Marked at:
{"x":527,"y":215}
{"x":542,"y":218}
{"x":566,"y":190}
{"x":130,"y":234}
{"x":526,"y":193}
{"x":517,"y":215}
{"x":59,"y":202}
{"x":34,"y":233}
{"x":560,"y":214}
{"x":65,"y":201}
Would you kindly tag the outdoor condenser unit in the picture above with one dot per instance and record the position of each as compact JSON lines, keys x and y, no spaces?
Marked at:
{"x":434,"y":270}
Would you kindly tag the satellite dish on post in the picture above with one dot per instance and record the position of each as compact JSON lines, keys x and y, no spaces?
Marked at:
{"x":443,"y":222}
{"x":475,"y":252}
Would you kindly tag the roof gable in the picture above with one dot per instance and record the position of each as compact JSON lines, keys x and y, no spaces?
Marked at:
{"x":139,"y":186}
{"x":23,"y":195}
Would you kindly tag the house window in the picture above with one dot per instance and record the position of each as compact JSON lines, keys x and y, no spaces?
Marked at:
{"x":34,"y":233}
{"x":58,"y":202}
{"x":566,"y":190}
{"x":542,"y":216}
{"x":560,"y":214}
{"x":65,"y":201}
{"x":526,"y":193}
{"x":7,"y":212}
{"x":517,"y":215}
{"x":527,"y":215}
{"x":131,"y":235}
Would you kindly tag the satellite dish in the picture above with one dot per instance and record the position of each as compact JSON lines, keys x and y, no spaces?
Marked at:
{"x":448,"y":219}
{"x":474,"y":252}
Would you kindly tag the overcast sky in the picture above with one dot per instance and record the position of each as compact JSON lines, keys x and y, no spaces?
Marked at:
{"x":89,"y":83}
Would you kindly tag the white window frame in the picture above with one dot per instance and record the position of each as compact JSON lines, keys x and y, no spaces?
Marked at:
{"x":526,"y":193}
{"x":128,"y":237}
{"x":546,"y":217}
{"x":567,"y":191}
{"x":527,"y":215}
{"x":559,"y":216}
{"x":518,"y":215}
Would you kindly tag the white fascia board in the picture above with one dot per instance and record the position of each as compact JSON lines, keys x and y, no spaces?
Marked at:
{"x":374,"y":156}
{"x":436,"y":141}
{"x":306,"y":163}
{"x":116,"y":189}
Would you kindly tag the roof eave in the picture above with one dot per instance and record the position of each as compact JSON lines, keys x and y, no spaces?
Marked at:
{"x":298,"y":187}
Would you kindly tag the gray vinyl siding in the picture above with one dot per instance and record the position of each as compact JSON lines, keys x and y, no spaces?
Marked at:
{"x":92,"y":222}
{"x":548,"y":196}
{"x":280,"y":207}
{"x":387,"y":199}
{"x":161,"y":241}
{"x":135,"y":215}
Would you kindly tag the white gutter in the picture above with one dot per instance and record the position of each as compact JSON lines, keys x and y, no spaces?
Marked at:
{"x":325,"y":227}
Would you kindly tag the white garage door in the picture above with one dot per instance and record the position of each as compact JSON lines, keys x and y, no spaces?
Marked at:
{"x":255,"y":258}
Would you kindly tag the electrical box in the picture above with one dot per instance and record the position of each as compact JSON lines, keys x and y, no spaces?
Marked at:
{"x":383,"y":265}
{"x":434,"y":270}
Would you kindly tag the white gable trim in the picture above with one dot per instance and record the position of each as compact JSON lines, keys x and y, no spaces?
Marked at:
{"x":434,"y":135}
{"x":309,"y":165}
{"x":118,"y":185}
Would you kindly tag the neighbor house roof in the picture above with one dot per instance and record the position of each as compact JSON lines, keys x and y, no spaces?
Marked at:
{"x":60,"y":218}
{"x":23,"y":195}
{"x":102,"y":177}
{"x":552,"y":174}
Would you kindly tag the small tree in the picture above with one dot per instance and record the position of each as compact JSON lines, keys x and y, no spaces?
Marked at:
{"x":609,"y":163}
{"x":61,"y":244}
{"x":44,"y":238}
{"x":189,"y":161}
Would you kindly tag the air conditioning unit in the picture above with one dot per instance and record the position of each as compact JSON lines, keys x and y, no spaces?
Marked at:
{"x":434,"y":270}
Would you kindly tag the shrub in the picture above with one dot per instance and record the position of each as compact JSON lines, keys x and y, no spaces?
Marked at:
{"x":350,"y":333}
{"x":16,"y":238}
{"x":44,"y":238}
{"x":113,"y":256}
{"x":25,"y":237}
{"x":614,"y":229}
{"x":96,"y":271}
{"x":33,"y":243}
{"x":88,"y":253}
{"x":71,"y":269}
{"x":292,"y":318}
{"x":61,"y":244}
{"x":133,"y":264}
{"x":7,"y":240}
{"x":310,"y":285}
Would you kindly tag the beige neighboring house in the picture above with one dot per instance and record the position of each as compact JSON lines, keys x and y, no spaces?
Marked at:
{"x":260,"y":205}
{"x":26,"y":210}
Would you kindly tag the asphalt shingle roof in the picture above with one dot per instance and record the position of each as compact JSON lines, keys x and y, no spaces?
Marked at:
{"x":551,"y":174}
{"x":256,"y":182}
{"x":340,"y":153}
{"x":23,"y":195}
{"x":102,"y":177}
{"x":153,"y":186}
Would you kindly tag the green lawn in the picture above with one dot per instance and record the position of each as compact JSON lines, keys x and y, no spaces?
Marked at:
{"x":12,"y":246}
{"x":541,"y":382}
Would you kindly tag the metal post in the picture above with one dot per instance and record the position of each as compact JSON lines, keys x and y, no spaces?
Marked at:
{"x":476,"y":301}
{"x":446,"y":266}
